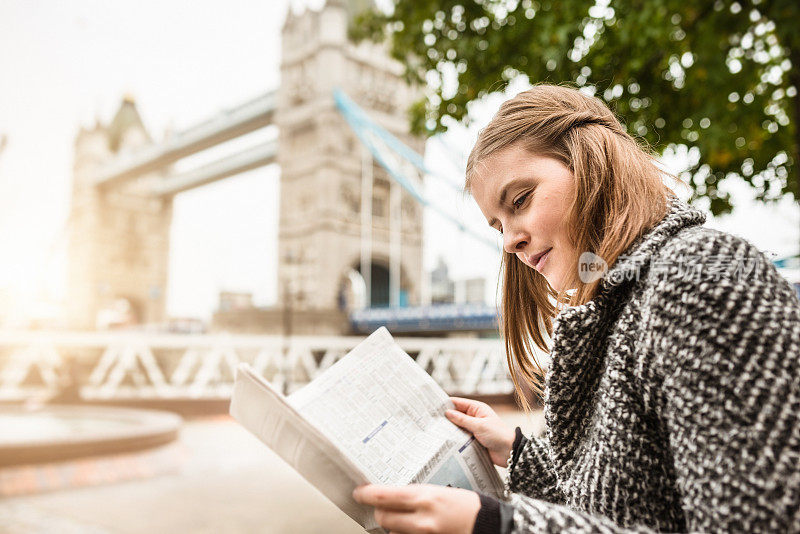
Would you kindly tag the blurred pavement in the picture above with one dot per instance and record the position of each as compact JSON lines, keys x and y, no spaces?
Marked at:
{"x":220,"y":479}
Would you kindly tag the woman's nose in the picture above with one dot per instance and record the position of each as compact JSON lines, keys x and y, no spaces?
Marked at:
{"x":514,"y":241}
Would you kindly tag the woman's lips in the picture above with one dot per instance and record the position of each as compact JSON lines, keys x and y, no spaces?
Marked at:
{"x":539,"y":260}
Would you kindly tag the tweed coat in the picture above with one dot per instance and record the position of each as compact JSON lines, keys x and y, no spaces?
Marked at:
{"x":672,"y":402}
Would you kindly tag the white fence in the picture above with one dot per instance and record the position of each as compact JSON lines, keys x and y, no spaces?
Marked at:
{"x":151,"y":366}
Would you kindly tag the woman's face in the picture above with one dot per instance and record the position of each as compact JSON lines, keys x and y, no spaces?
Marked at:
{"x":527,"y":197}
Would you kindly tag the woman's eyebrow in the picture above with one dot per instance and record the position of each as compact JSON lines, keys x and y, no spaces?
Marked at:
{"x":504,"y":191}
{"x":511,"y":184}
{"x":503,"y":194}
{"x":507,"y":187}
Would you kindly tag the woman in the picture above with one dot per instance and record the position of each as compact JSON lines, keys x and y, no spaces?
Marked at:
{"x":672,"y":402}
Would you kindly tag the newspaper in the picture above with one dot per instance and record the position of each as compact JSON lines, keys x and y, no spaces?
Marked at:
{"x":375,"y":416}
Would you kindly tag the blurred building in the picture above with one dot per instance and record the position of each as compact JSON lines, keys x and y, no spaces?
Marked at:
{"x":445,"y":290}
{"x":231,"y":300}
{"x":474,"y":290}
{"x":324,"y":173}
{"x":118,"y":238}
{"x":442,"y":286}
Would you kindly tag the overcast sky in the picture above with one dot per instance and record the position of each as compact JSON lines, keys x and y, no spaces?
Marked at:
{"x":66,"y":63}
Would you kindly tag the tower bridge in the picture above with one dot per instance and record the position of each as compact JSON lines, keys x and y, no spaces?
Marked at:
{"x":343,"y":219}
{"x":350,"y":228}
{"x":350,"y":222}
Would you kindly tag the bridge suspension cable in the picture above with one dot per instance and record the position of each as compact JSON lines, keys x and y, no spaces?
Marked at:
{"x":400,"y":161}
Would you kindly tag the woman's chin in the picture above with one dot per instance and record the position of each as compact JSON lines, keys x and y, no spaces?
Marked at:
{"x":556,"y":282}
{"x":553,"y":283}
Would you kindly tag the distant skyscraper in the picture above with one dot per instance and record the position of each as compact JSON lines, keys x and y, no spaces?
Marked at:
{"x":442,"y":287}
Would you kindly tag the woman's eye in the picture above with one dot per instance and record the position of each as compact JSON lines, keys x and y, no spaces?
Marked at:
{"x":518,"y":203}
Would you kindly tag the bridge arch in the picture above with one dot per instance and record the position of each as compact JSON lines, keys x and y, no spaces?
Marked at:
{"x":353,"y":293}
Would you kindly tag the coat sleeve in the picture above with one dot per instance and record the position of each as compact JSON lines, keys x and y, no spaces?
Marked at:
{"x":534,"y":502}
{"x":530,"y":472}
{"x":726,"y":385}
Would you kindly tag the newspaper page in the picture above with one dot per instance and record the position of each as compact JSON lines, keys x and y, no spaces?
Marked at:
{"x":375,"y":416}
{"x":387,"y":414}
{"x":257,"y":406}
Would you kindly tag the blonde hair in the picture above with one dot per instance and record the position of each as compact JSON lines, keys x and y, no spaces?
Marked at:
{"x":619,"y":195}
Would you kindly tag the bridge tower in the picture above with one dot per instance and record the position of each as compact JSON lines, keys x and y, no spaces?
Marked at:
{"x":342,"y":219}
{"x":118,"y":237}
{"x":323,"y":167}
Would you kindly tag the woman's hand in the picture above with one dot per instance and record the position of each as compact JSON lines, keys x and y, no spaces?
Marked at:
{"x":487,"y":427}
{"x":421,"y":508}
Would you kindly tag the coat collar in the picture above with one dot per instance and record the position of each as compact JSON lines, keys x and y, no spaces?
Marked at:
{"x":679,"y":215}
{"x":579,"y":335}
{"x":636,"y":258}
